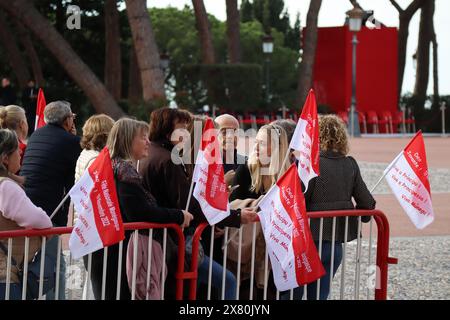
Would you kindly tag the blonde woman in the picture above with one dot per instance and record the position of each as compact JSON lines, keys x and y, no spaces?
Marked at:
{"x":265,"y":164}
{"x":13,"y":117}
{"x":339,"y":183}
{"x":128,"y":143}
{"x":254,"y":179}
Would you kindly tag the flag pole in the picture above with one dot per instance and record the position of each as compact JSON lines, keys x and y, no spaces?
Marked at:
{"x":286,"y":157}
{"x":389,"y":167}
{"x":190,"y":194}
{"x":59,"y":205}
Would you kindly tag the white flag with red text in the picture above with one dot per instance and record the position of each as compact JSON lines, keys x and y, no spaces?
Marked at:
{"x":305,"y":141}
{"x":293,"y":254}
{"x":210,"y":187}
{"x":95,"y":199}
{"x":408,"y":179}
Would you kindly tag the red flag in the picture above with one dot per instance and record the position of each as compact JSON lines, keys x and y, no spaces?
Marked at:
{"x":95,"y":199}
{"x":305,"y":140}
{"x":210,"y":187}
{"x":40,"y":106}
{"x":293,"y":254}
{"x":408,"y":178}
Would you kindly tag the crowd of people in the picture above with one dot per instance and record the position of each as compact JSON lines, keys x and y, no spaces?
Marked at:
{"x":153,"y":184}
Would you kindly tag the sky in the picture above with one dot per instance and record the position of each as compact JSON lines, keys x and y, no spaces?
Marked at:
{"x":332,"y":13}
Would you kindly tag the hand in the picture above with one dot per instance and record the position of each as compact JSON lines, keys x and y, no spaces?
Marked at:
{"x":73,"y":130}
{"x":229,"y":176}
{"x":187,"y":219}
{"x":248,"y":215}
{"x":218,"y":233}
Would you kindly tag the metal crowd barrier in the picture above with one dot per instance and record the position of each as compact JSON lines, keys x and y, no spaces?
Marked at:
{"x":377,"y":275}
{"x":344,"y":285}
{"x":180,"y":275}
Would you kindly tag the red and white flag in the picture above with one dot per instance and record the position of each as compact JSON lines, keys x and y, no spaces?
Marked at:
{"x":305,"y":141}
{"x":210,"y":187}
{"x":40,"y":107}
{"x":99,"y":221}
{"x":407,"y":176}
{"x":293,"y":254}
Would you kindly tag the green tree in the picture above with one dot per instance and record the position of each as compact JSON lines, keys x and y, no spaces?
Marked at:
{"x":246,"y":11}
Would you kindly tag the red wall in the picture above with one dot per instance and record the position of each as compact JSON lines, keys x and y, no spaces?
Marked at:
{"x":376,"y":69}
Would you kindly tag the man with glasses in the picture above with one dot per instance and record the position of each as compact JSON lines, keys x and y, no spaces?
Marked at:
{"x":48,"y":168}
{"x":228,"y":127}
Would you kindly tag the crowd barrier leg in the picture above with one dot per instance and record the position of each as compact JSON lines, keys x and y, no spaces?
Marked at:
{"x":25,"y":268}
{"x":149,"y":262}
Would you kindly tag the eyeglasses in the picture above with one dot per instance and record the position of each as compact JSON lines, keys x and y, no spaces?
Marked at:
{"x":72,"y":115}
{"x":225,"y":131}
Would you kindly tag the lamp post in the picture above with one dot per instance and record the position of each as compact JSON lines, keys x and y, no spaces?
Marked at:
{"x":164,"y":61}
{"x":403,"y":109}
{"x":355,"y":17}
{"x":267,"y":50}
{"x":443,"y":107}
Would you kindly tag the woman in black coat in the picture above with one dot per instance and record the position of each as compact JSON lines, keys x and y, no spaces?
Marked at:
{"x":127,"y":143}
{"x":339,"y":182}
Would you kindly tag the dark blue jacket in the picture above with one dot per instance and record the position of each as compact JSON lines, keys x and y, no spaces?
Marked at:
{"x":49,"y":167}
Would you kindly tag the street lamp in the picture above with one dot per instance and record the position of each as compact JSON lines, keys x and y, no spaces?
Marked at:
{"x":414,"y":57}
{"x":164,"y":61}
{"x":355,"y":17}
{"x":267,"y":50}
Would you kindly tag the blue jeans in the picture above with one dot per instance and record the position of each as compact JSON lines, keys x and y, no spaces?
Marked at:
{"x":216,"y":278}
{"x":51,"y":249}
{"x":15,"y":291}
{"x":325,"y":280}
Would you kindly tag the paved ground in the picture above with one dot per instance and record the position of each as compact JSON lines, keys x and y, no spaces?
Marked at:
{"x":423,"y":271}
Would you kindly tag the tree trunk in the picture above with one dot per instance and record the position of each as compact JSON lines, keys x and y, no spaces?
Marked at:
{"x":233,"y":29}
{"x":309,"y":53}
{"x":113,"y":63}
{"x":134,"y":80}
{"x":146,"y":50}
{"x":15,"y":57}
{"x":423,"y":54}
{"x":204,"y":31}
{"x":100,"y":98}
{"x":32,"y":54}
{"x":405,"y":17}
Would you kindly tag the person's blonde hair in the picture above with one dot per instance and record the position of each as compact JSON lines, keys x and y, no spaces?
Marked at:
{"x":278,"y":153}
{"x":11,"y":116}
{"x":121,"y":137}
{"x":96,"y":131}
{"x":333,"y":134}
